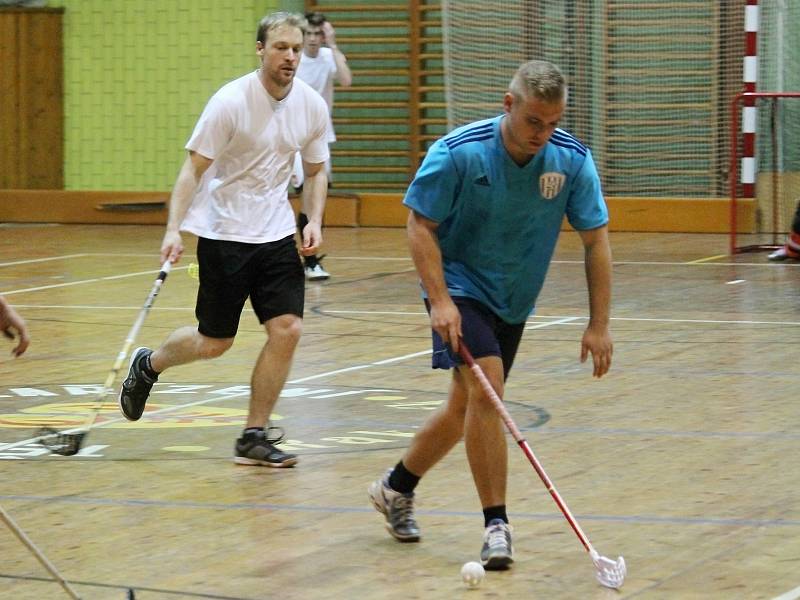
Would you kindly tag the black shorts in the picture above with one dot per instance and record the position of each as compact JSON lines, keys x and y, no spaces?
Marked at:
{"x":485,"y":333}
{"x":270,"y":274}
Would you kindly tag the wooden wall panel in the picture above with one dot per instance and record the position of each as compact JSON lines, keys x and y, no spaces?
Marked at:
{"x":145,"y":208}
{"x":367,"y":210}
{"x":32,"y":109}
{"x":42,"y":86}
{"x":9,"y":102}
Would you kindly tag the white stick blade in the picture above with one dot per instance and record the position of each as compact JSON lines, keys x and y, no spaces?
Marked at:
{"x":610,"y":573}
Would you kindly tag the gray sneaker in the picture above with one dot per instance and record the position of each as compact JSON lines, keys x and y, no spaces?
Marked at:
{"x":259,"y":449}
{"x":397,"y":508}
{"x":136,"y":388}
{"x":497,"y":553}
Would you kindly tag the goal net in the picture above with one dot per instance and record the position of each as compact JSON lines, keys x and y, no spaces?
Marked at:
{"x":650,"y":81}
{"x":771,"y":165}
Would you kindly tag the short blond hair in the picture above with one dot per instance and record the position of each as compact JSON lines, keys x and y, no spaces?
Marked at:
{"x":539,"y":79}
{"x":278,"y":19}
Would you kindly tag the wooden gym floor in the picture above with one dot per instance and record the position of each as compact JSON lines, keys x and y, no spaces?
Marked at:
{"x":680,"y":459}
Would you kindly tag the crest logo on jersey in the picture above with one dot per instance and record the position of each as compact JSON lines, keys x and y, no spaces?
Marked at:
{"x":550,"y":184}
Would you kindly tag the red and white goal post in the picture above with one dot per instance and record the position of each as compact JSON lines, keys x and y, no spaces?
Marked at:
{"x":764,"y":171}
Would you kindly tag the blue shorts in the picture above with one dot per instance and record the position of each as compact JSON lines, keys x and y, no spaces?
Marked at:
{"x":485,"y":333}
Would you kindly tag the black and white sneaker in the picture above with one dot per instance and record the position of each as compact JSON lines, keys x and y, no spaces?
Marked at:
{"x":398,"y":509}
{"x":497,"y":553}
{"x":259,"y":449}
{"x":313,"y":268}
{"x":136,"y":388}
{"x":316,"y":273}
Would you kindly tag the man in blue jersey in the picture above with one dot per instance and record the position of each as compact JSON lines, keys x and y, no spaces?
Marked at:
{"x":487,"y":205}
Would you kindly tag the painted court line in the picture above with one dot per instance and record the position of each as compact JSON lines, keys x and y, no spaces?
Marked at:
{"x":167,"y":409}
{"x":221,"y":397}
{"x":623,"y":432}
{"x":790,"y":595}
{"x":557,"y":319}
{"x":554,"y":516}
{"x":707,"y":321}
{"x":399,"y":358}
{"x":126,"y":275}
{"x":560,"y":321}
{"x":38,"y":260}
{"x":82,"y":281}
{"x":370,"y":258}
{"x":567,"y":319}
{"x":706,"y":259}
{"x":96,"y":307}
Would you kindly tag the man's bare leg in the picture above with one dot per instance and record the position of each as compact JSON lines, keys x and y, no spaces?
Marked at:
{"x":484,"y":437}
{"x":187,"y":345}
{"x":272,"y":367}
{"x":441,"y":431}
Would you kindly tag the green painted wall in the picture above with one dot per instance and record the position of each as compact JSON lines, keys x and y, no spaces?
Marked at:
{"x":138,"y":74}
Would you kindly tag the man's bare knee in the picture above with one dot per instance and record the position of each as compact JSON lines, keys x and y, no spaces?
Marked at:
{"x":456,"y":405}
{"x":213,"y":347}
{"x":287,"y":328}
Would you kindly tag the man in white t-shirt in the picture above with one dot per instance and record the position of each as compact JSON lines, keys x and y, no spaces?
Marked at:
{"x":232,"y":193}
{"x":320,"y":63}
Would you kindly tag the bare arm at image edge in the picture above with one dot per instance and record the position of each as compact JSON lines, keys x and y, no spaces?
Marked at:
{"x":13,"y":327}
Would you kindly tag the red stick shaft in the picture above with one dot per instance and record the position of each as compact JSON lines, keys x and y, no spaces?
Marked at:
{"x":493,"y":397}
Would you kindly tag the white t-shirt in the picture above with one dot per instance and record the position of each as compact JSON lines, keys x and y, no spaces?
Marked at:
{"x":252,"y":139}
{"x":318,"y":72}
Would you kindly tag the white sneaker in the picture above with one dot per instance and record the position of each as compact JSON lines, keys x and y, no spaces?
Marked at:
{"x":397,"y":508}
{"x":316,"y":273}
{"x":783,"y":253}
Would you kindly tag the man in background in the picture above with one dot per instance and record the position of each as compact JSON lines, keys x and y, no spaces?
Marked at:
{"x":320,"y":63}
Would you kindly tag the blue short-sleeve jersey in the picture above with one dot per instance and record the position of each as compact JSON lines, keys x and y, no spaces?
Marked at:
{"x":498,"y":223}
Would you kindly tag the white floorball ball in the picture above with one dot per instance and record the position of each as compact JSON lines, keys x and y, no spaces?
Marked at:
{"x":472,"y":574}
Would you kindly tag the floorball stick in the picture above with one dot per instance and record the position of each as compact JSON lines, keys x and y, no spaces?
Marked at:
{"x":67,"y":443}
{"x":16,"y":530}
{"x":610,"y":573}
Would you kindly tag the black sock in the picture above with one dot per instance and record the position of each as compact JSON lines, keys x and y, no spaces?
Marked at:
{"x":402,"y":480}
{"x":302,"y":221}
{"x":494,"y":512}
{"x":251,"y":431}
{"x":147,"y":366}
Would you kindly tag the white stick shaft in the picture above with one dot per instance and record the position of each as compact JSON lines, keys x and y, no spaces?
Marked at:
{"x":37,"y":553}
{"x":126,"y":347}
